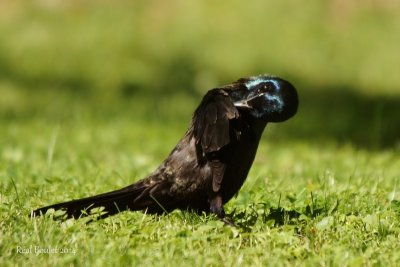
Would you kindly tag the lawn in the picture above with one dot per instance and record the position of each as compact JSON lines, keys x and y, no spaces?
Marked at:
{"x":91,"y":101}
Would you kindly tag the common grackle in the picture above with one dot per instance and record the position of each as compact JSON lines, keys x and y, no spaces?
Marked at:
{"x":211,"y":162}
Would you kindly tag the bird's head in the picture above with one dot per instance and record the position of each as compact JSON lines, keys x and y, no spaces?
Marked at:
{"x":268,"y":98}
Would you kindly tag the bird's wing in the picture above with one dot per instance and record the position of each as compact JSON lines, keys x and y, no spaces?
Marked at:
{"x":211,"y":129}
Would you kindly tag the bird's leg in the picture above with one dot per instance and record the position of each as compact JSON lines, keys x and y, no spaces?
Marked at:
{"x":217,"y":207}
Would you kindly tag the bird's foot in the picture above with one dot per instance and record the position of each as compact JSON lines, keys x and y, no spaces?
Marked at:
{"x":228,"y":222}
{"x":216,"y":207}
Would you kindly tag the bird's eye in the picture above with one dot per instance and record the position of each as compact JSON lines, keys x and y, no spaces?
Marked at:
{"x":268,"y":87}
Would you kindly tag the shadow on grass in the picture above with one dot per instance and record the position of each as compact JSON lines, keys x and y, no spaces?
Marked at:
{"x":281,"y":216}
{"x":245,"y":219}
{"x":342,"y":114}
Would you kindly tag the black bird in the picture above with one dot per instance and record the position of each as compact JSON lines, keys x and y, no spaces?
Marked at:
{"x":211,"y":162}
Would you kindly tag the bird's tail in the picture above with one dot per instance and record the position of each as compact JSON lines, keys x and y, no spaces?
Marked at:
{"x":113,"y":202}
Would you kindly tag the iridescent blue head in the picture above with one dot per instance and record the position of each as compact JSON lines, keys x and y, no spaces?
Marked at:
{"x":268,"y":98}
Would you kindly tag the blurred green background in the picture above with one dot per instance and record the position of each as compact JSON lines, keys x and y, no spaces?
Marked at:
{"x":153,"y":60}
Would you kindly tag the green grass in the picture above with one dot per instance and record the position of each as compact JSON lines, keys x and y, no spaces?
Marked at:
{"x":94,"y":95}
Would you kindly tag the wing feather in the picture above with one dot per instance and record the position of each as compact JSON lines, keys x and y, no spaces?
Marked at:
{"x":212,"y":130}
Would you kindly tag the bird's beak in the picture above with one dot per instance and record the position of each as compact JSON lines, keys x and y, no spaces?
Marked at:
{"x":241,"y":104}
{"x":245,"y":103}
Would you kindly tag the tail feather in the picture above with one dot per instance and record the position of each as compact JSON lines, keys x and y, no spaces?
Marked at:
{"x":113,"y":202}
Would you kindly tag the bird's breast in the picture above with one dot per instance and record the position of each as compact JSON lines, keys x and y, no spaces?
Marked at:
{"x":242,"y":154}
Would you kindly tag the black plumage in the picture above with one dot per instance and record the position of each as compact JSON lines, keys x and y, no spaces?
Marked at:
{"x":211,"y":162}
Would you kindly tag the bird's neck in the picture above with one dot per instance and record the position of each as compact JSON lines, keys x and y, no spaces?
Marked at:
{"x":256,"y":125}
{"x":259,"y":127}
